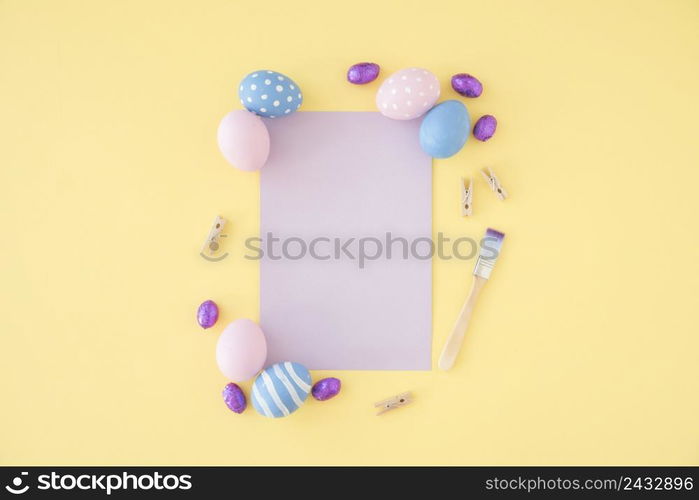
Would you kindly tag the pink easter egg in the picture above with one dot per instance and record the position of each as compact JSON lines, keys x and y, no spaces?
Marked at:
{"x":241,"y":350}
{"x":243,"y":140}
{"x":407,"y":94}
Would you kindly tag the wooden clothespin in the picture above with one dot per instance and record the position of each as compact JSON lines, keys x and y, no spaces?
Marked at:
{"x":394,"y":402}
{"x":466,"y":196}
{"x":212,"y":241}
{"x":494,"y":183}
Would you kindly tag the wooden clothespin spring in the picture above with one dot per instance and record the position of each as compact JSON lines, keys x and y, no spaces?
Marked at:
{"x":211,"y":245}
{"x":394,"y":402}
{"x":466,"y":196}
{"x":494,"y":183}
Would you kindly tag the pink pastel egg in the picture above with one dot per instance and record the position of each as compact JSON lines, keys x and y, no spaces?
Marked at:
{"x":243,"y":140}
{"x":407,"y":94}
{"x":241,"y":350}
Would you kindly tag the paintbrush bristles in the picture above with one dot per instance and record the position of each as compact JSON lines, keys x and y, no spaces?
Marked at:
{"x":490,"y":249}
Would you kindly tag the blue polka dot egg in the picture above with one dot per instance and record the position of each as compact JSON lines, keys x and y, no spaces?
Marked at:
{"x":269,"y":94}
{"x":281,"y":389}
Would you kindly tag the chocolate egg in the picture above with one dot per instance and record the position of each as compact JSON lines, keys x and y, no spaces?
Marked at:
{"x":234,"y":397}
{"x":326,"y":388}
{"x":207,"y":314}
{"x":466,"y":85}
{"x":485,"y":127}
{"x":362,"y":73}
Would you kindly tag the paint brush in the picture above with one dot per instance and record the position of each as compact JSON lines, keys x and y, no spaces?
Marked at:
{"x":490,"y":249}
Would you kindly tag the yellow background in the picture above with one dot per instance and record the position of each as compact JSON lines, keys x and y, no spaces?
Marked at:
{"x":584,"y":348}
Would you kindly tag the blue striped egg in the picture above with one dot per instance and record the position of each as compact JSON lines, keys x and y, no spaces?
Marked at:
{"x":279,"y":390}
{"x":269,"y":94}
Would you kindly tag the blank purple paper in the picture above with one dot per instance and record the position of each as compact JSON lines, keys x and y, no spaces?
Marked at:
{"x":335,"y":178}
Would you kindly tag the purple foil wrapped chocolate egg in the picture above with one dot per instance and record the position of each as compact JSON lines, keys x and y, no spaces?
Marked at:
{"x":234,"y":397}
{"x":326,"y":388}
{"x":485,"y":127}
{"x":207,"y":314}
{"x":362,"y":73}
{"x":466,"y":85}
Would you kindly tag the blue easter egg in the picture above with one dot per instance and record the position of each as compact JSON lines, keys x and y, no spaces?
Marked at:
{"x":269,"y":94}
{"x":444,"y":130}
{"x":279,"y":390}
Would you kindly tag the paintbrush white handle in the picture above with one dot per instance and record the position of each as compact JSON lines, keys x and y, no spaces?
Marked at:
{"x":456,"y":338}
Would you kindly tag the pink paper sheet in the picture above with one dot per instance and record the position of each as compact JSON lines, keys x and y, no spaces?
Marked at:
{"x":343,"y":175}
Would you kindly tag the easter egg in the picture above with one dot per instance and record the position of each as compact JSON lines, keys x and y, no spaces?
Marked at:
{"x":269,"y":94}
{"x":326,"y":388}
{"x":241,"y":350}
{"x":281,"y":389}
{"x":234,"y":397}
{"x":444,"y":130}
{"x":207,"y":314}
{"x":407,"y":94}
{"x":363,"y":73}
{"x":466,"y":85}
{"x":243,"y":140}
{"x":485,"y":127}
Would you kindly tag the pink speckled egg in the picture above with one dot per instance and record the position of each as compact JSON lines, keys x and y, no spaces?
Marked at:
{"x":407,"y":94}
{"x":241,"y":350}
{"x":243,"y":140}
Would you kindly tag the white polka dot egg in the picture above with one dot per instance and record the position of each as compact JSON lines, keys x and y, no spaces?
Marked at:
{"x":269,"y":94}
{"x":407,"y":94}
